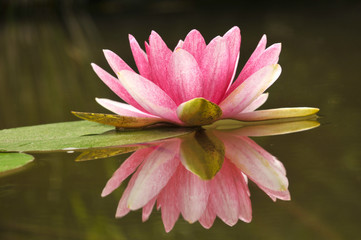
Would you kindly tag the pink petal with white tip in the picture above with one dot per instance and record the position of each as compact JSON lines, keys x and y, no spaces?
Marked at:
{"x":149,"y":96}
{"x":122,"y":109}
{"x":249,"y":90}
{"x":194,"y":44}
{"x":140,"y":58}
{"x":215,"y":69}
{"x":127,"y":168}
{"x":185,"y":77}
{"x":158,"y":168}
{"x":256,"y":166}
{"x":115,"y":86}
{"x":193,"y":195}
{"x":158,"y":56}
{"x":115,"y":62}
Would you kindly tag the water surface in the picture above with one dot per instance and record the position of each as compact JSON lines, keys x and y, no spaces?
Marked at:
{"x":45,"y":73}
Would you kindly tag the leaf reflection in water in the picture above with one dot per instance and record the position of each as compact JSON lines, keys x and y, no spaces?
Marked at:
{"x":201,"y":175}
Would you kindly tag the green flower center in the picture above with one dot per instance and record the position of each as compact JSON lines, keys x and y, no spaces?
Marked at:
{"x":198,"y":112}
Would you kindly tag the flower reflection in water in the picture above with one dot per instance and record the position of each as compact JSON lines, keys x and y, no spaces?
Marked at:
{"x":203,"y":175}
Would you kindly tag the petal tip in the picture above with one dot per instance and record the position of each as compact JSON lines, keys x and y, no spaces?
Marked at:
{"x":107,"y":52}
{"x":98,"y":100}
{"x":131,"y":38}
{"x":104,"y":193}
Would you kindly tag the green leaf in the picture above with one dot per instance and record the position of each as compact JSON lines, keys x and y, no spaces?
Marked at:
{"x":202,"y":153}
{"x":119,"y":121}
{"x":98,"y":153}
{"x":78,"y":135}
{"x":12,"y":161}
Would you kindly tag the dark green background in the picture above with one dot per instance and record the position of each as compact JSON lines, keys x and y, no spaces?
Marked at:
{"x":46,"y":50}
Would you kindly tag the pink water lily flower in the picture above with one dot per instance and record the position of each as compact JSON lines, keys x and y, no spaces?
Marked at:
{"x":184,"y":176}
{"x":161,"y":176}
{"x":195,"y":83}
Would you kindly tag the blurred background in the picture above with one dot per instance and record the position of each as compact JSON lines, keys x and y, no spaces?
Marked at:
{"x":46,"y":47}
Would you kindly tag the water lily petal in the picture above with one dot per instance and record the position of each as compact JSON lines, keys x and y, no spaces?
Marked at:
{"x":249,"y":90}
{"x":233,"y":39}
{"x":123,"y":109}
{"x":261,"y":46}
{"x":148,"y":95}
{"x":115,"y":86}
{"x":193,"y":195}
{"x":259,"y":101}
{"x":277,"y":113}
{"x":147,"y":209}
{"x":244,"y":202}
{"x":265,"y":171}
{"x":198,"y":111}
{"x":184,"y":77}
{"x":253,"y":58}
{"x":215,"y":69}
{"x":157,"y":170}
{"x":194,"y":44}
{"x":158,"y":56}
{"x":282,"y":194}
{"x":274,"y":195}
{"x":242,"y":137}
{"x":127,"y":168}
{"x":115,"y":62}
{"x":224,"y":196}
{"x":140,"y":58}
{"x":268,"y":57}
{"x":122,"y":208}
{"x":270,"y":158}
{"x":271,"y":129}
{"x":168,"y":201}
{"x":179,"y":45}
{"x":208,"y":217}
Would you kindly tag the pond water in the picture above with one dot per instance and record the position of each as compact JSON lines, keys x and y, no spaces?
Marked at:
{"x":45,"y":73}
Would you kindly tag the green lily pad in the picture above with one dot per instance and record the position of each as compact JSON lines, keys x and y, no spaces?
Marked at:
{"x":78,"y":135}
{"x":12,"y":161}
